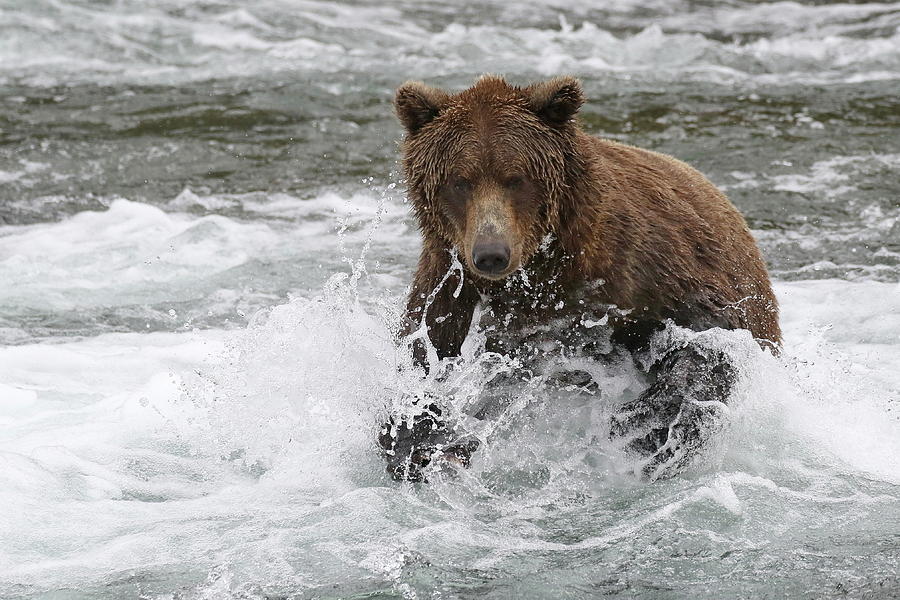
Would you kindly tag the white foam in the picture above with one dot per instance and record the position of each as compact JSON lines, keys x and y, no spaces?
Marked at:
{"x":808,"y":43}
{"x":845,"y":341}
{"x":130,"y":253}
{"x":850,"y":233}
{"x":268,"y":434}
{"x":834,"y":177}
{"x":135,"y":253}
{"x":21,"y":176}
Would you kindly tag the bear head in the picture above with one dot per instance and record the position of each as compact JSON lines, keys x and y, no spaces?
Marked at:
{"x":487,"y":168}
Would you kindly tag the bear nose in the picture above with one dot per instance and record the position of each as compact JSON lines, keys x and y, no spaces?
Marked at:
{"x":490,"y":256}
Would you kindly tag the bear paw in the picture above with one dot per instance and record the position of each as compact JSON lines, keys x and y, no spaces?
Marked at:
{"x":412,"y":445}
{"x":668,"y":424}
{"x":665,"y":439}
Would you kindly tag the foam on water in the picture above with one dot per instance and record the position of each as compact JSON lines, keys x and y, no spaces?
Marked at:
{"x":134,"y":263}
{"x":855,"y":220}
{"x":245,"y":463}
{"x":811,"y":43}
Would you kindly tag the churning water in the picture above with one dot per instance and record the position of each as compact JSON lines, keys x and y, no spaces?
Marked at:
{"x":203,"y":252}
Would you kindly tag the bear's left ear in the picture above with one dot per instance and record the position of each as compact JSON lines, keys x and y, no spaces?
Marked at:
{"x":417,"y":104}
{"x":556,"y":101}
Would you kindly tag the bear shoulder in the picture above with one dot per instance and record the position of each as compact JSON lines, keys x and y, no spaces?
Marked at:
{"x":672,"y":239}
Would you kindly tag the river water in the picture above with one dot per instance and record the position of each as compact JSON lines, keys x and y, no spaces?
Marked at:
{"x":204,"y":248}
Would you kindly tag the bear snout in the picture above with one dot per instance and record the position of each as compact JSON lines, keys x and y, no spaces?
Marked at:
{"x":490,"y":256}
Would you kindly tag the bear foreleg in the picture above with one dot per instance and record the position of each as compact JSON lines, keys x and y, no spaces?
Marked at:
{"x":438,"y":315}
{"x":671,"y":421}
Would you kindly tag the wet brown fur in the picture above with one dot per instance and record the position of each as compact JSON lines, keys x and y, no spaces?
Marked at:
{"x":662,"y":239}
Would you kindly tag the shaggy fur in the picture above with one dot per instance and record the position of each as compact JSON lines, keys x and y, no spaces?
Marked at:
{"x":585,"y":223}
{"x":662,"y":239}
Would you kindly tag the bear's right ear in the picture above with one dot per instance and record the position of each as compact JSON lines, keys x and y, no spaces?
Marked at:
{"x":417,"y":104}
{"x":556,"y":101}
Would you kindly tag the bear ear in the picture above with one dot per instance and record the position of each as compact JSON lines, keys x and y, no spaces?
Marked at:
{"x":556,"y":101}
{"x":418,"y":104}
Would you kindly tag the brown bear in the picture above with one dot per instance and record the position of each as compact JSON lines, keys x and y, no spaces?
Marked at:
{"x":534,"y":219}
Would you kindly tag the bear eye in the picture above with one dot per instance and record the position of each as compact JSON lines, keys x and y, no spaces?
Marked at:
{"x":461,"y":186}
{"x":515,"y":182}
